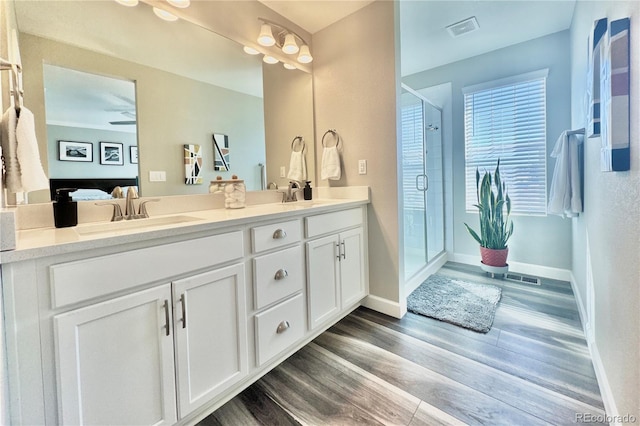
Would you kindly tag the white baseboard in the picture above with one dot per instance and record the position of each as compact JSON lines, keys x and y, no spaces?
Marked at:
{"x":385,"y":306}
{"x":610,"y":406}
{"x":521,"y":267}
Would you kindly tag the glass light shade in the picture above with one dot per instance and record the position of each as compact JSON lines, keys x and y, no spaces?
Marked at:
{"x":290,"y":47}
{"x":163,"y":14}
{"x":289,"y":66}
{"x":266,"y":36}
{"x":250,"y":50}
{"x":270,"y":59}
{"x":179,"y":3}
{"x":129,"y":3}
{"x":305,"y":56}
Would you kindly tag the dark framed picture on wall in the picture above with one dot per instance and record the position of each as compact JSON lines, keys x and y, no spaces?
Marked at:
{"x":133,"y":154}
{"x":111,"y":153}
{"x":75,"y":151}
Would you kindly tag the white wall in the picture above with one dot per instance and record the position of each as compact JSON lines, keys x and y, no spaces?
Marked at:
{"x":537,"y":240}
{"x":609,"y":229}
{"x":355,"y":90}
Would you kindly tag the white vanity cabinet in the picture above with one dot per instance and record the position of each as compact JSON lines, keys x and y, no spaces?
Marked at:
{"x":161,"y":328}
{"x":335,"y":263}
{"x":115,"y":361}
{"x":210,"y":334}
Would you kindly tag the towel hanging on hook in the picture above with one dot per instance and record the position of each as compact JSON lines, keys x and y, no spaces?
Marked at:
{"x":298,"y":162}
{"x":331,"y":168}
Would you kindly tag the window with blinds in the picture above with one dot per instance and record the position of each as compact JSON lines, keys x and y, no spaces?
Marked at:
{"x":506,"y":119}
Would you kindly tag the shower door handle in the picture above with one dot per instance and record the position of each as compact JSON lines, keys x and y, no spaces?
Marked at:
{"x":425,"y":182}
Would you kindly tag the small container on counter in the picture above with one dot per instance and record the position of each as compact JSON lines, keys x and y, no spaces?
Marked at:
{"x":65,"y":211}
{"x":234,"y":191}
{"x":308,"y":191}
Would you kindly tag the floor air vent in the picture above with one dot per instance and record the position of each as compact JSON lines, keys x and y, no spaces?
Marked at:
{"x":523,"y":279}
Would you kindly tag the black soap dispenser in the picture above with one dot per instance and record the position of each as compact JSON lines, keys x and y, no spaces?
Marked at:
{"x":65,"y":211}
{"x":307,"y":191}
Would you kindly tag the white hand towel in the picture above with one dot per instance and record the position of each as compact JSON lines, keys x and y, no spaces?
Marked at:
{"x":330,"y":164}
{"x":32,"y":174}
{"x":10,"y":150}
{"x":297,"y":166}
{"x":565,"y":198}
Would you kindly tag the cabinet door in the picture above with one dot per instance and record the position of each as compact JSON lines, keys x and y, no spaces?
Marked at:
{"x":211,"y":335}
{"x":115,"y":361}
{"x":352,"y":285}
{"x":322,"y":279}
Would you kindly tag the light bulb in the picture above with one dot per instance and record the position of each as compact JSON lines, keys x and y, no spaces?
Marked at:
{"x":250,"y":50}
{"x":289,"y":66}
{"x":270,"y":59}
{"x":290,"y":47}
{"x":128,"y":3}
{"x":305,"y":56}
{"x":163,"y":14}
{"x":266,"y":36}
{"x":179,"y":3}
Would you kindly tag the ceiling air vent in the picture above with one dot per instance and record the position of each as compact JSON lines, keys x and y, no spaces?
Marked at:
{"x":463,"y":27}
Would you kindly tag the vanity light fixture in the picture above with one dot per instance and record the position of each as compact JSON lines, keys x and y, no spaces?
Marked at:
{"x":179,"y":3}
{"x":270,"y":59}
{"x":273,"y":34}
{"x":250,"y":50}
{"x":163,"y":14}
{"x":289,"y":66}
{"x":128,"y":3}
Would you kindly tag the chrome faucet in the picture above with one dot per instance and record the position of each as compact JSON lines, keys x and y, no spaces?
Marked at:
{"x":130,"y":208}
{"x":290,"y":194}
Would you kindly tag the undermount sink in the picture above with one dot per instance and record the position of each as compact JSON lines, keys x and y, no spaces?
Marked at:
{"x":126,"y":225}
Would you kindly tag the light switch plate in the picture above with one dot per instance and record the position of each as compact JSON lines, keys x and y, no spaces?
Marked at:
{"x":283,"y":171}
{"x":157,"y":176}
{"x":362,"y":167}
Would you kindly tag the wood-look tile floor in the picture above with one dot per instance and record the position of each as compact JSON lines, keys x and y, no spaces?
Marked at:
{"x":532,"y":368}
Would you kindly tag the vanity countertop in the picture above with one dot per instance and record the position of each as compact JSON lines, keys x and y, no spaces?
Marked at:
{"x":42,"y":242}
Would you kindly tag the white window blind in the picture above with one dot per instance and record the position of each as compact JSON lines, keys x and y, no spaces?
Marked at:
{"x":506,"y":119}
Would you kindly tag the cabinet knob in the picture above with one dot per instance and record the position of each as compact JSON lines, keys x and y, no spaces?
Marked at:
{"x":279,"y":234}
{"x":281,"y":274}
{"x":282,"y":327}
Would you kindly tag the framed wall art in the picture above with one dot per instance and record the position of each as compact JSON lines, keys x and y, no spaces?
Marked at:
{"x":111,"y":153}
{"x":221,"y":152}
{"x":75,"y":151}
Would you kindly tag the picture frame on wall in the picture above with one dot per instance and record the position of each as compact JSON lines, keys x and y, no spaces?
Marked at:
{"x":111,"y":153}
{"x":75,"y":151}
{"x":133,"y":154}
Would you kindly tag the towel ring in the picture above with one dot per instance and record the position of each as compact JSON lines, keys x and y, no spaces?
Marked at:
{"x":336,"y":136}
{"x":302,"y":143}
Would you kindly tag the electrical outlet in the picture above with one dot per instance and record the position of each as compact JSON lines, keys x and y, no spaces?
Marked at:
{"x":362,"y":167}
{"x":283,"y":171}
{"x":158,"y":176}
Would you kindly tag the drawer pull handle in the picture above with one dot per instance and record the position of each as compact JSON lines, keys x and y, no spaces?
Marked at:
{"x":344,"y":251}
{"x":279,"y":234}
{"x":281,"y":274}
{"x":167,"y":324}
{"x":183,"y":303}
{"x":282,"y":327}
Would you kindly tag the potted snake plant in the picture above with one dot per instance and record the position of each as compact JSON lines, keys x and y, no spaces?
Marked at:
{"x":495,"y":224}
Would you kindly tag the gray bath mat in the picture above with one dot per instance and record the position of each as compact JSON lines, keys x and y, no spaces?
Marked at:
{"x":458,"y":302}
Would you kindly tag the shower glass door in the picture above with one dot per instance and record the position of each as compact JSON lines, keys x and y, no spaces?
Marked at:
{"x":422,"y":182}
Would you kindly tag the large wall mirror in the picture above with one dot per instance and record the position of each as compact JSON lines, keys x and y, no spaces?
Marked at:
{"x":190,"y":83}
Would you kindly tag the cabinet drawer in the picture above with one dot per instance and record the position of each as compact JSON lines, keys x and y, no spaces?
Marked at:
{"x":278,"y":328}
{"x":85,"y":279}
{"x":277,"y":275}
{"x":332,"y":222}
{"x":275,"y":235}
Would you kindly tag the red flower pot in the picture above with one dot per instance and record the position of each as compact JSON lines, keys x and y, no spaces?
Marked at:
{"x":492,"y":257}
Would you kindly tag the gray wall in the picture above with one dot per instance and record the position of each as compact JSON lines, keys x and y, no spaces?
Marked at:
{"x":536,"y":240}
{"x":355,"y":92}
{"x":606,"y":238}
{"x":77,"y":169}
